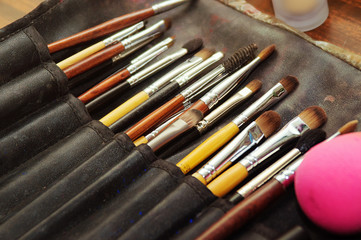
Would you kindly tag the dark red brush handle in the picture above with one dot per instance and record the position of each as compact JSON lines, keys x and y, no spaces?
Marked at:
{"x":93,"y":60}
{"x":102,"y":29}
{"x":244,"y":211}
{"x":104,"y":86}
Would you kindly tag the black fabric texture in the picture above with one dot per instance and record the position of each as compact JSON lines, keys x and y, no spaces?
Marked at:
{"x":204,"y":220}
{"x":23,"y":51}
{"x":30,"y":91}
{"x":39,"y":131}
{"x":64,"y":190}
{"x":145,"y":108}
{"x":28,"y":181}
{"x":137,"y":200}
{"x":172,"y":212}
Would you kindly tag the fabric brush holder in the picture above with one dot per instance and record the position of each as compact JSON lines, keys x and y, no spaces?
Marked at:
{"x":39,"y":131}
{"x":36,"y":175}
{"x":66,"y":188}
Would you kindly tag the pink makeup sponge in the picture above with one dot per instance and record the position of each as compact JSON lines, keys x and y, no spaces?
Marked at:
{"x":328,"y":184}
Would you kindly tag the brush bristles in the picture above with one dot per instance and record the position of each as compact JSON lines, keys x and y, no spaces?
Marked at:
{"x":191,"y":117}
{"x":205,"y":53}
{"x":172,"y":42}
{"x":269,"y":122}
{"x":254,"y":85}
{"x":193,"y":45}
{"x":310,"y":139}
{"x":290,"y":83}
{"x":266,"y":52}
{"x":239,"y":58}
{"x":313,"y":116}
{"x":167,"y":23}
{"x":348,"y":127}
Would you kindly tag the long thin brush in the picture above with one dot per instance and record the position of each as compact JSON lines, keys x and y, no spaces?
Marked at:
{"x":263,"y":127}
{"x":221,"y":137}
{"x":347,"y":128}
{"x":114,"y":25}
{"x":107,"y":53}
{"x":177,"y":103}
{"x":310,"y":118}
{"x":120,"y":111}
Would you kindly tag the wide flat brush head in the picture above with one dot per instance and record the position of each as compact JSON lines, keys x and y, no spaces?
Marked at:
{"x":205,"y":53}
{"x":193,"y":45}
{"x":240,"y":57}
{"x":269,"y":122}
{"x":313,"y":116}
{"x":192,"y":117}
{"x":348,"y":127}
{"x":254,"y":85}
{"x":310,"y":139}
{"x":290,"y":83}
{"x":266,"y":52}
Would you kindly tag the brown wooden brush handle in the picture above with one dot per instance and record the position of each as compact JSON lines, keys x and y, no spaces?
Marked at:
{"x":244,"y":211}
{"x":102,"y":29}
{"x":156,"y":117}
{"x":93,"y":60}
{"x":104,"y":86}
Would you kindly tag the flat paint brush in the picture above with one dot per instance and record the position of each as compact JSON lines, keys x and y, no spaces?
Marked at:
{"x":189,"y":47}
{"x":113,"y":25}
{"x":136,"y":114}
{"x":209,"y":120}
{"x":347,"y":128}
{"x":123,"y":74}
{"x":177,"y":103}
{"x":100,"y":45}
{"x":310,"y":118}
{"x":107,"y":53}
{"x":263,"y":127}
{"x":305,"y":143}
{"x":221,"y":137}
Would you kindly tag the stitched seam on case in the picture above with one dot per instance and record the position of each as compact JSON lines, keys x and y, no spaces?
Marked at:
{"x":61,"y":89}
{"x":101,"y":135}
{"x":73,"y":108}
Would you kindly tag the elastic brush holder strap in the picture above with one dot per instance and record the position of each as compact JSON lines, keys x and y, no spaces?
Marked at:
{"x":40,"y":130}
{"x":172,"y":212}
{"x":31,"y":179}
{"x":30,"y":91}
{"x":134,"y":202}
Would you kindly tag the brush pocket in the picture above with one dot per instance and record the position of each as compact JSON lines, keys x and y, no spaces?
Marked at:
{"x":38,"y":131}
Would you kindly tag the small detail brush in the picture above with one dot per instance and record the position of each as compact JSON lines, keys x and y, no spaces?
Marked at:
{"x":264,"y":126}
{"x":221,"y":137}
{"x":347,"y":128}
{"x":310,"y":118}
{"x":107,"y":53}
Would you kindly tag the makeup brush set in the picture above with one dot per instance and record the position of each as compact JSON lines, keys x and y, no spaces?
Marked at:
{"x":173,"y":119}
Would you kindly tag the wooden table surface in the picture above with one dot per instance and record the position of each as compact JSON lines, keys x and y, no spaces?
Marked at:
{"x":342,"y":28}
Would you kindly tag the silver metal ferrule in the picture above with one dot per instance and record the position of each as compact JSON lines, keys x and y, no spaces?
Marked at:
{"x":177,"y":71}
{"x":167,"y":5}
{"x":131,"y":50}
{"x":159,"y":65}
{"x":294,"y":128}
{"x":141,"y":63}
{"x":287,"y":176}
{"x":221,"y":90}
{"x":272,"y":96}
{"x":222,"y":110}
{"x":123,"y":34}
{"x":189,"y":75}
{"x":144,"y":35}
{"x":267,"y":174}
{"x":244,"y":141}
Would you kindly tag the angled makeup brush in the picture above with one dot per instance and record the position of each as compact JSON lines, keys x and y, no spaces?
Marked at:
{"x":209,"y":120}
{"x":111,"y":51}
{"x":310,"y":118}
{"x":347,"y":128}
{"x":177,"y":103}
{"x":305,"y":143}
{"x":221,"y":137}
{"x":100,"y":45}
{"x":197,"y":111}
{"x":119,"y":112}
{"x":264,"y":126}
{"x":121,"y":75}
{"x":187,"y":48}
{"x":114,"y":25}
